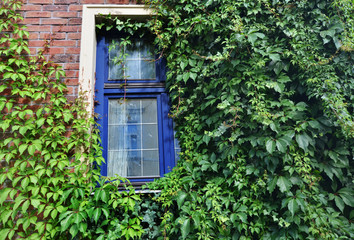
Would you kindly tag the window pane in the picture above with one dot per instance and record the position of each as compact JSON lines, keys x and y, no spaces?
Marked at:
{"x":132,"y":113}
{"x":150,"y":136}
{"x":133,"y":138}
{"x":132,"y":70}
{"x":134,"y":164}
{"x":115,"y":112}
{"x":116,"y":138}
{"x":139,"y":61}
{"x":149,"y":111}
{"x":147,"y":69}
{"x":150,"y":163}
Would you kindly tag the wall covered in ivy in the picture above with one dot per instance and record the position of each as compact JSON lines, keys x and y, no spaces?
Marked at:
{"x":262,"y":98}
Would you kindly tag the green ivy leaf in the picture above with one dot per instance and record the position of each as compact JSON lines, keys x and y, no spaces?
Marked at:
{"x":339,"y":203}
{"x":284,"y":184}
{"x":96,"y":214}
{"x":303,"y":141}
{"x":185,"y":228}
{"x":22,"y":148}
{"x":31,"y":149}
{"x":270,"y":145}
{"x":293,"y":206}
{"x":272,"y":184}
{"x":4,"y":232}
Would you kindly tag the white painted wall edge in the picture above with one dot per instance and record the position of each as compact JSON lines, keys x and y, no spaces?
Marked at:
{"x":88,"y":43}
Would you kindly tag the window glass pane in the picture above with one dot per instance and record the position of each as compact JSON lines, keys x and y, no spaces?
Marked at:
{"x":132,"y":113}
{"x":116,"y":138}
{"x":134,"y":164}
{"x":115,"y":70}
{"x":147,"y":69}
{"x":139,"y":61}
{"x":133,"y":137}
{"x":132,"y":51}
{"x":115,"y":112}
{"x":132,"y":69}
{"x":150,"y":163}
{"x":117,"y":163}
{"x":149,"y":111}
{"x":150,"y":136}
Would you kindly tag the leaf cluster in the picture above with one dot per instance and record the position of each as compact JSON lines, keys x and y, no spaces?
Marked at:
{"x":262,"y":95}
{"x":50,"y":152}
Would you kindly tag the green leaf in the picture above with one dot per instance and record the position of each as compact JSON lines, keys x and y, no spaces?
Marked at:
{"x":281,"y":145}
{"x":4,"y":232}
{"x":252,"y":38}
{"x":293,"y":206}
{"x":22,"y":148}
{"x":31,"y":149}
{"x":275,"y":57}
{"x":272,"y":184}
{"x":25,"y":206}
{"x":35,"y":202}
{"x":185,"y":228}
{"x":183,"y":64}
{"x":339,"y":203}
{"x":180,"y":198}
{"x":243,"y":217}
{"x":284,"y":184}
{"x":303,"y":141}
{"x":65,"y":223}
{"x":96,"y":214}
{"x":4,"y":194}
{"x":193,"y":75}
{"x":186,"y":76}
{"x":25,"y":182}
{"x":270,"y":145}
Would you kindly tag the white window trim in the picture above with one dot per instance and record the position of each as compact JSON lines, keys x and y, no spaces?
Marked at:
{"x":87,"y":68}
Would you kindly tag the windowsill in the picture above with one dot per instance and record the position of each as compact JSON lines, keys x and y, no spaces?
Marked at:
{"x":138,"y":189}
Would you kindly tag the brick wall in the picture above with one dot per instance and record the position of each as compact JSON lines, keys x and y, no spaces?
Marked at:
{"x":59,"y":21}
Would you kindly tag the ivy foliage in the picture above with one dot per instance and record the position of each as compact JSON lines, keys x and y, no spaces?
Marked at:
{"x":50,"y":152}
{"x":262,"y":95}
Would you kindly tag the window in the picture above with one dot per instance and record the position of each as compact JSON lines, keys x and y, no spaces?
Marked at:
{"x":137,"y":134}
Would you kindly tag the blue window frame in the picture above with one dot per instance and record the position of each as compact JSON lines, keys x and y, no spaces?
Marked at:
{"x":137,"y":134}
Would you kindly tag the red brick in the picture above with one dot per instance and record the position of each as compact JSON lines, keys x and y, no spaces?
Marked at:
{"x":64,"y":58}
{"x":75,"y":21}
{"x":33,"y":50}
{"x":64,"y":43}
{"x":72,"y":50}
{"x":92,"y":1}
{"x":72,"y":81}
{"x":41,"y":1}
{"x":38,"y":28}
{"x":70,"y":90}
{"x":66,"y":28}
{"x":64,"y":14}
{"x":28,"y":21}
{"x":31,"y":7}
{"x":33,"y":35}
{"x":36,"y":43}
{"x":52,"y":35}
{"x":117,"y":1}
{"x":55,"y":8}
{"x":38,"y":14}
{"x":75,"y":8}
{"x":71,"y":66}
{"x":73,"y":36}
{"x":72,"y":74}
{"x":52,"y":21}
{"x":65,"y":1}
{"x":54,"y":50}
